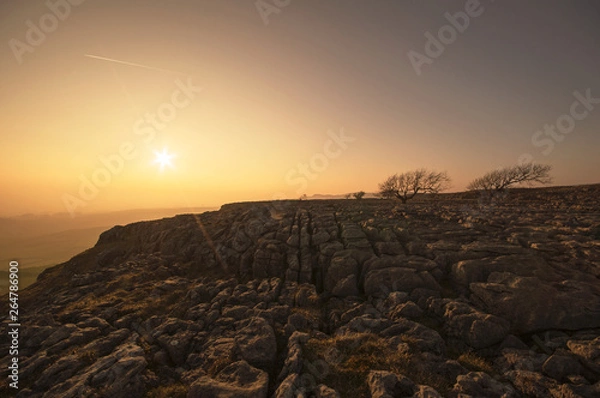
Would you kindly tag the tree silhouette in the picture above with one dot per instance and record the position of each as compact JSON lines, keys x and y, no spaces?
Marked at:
{"x":499,"y":180}
{"x":407,"y":185}
{"x":358,"y":195}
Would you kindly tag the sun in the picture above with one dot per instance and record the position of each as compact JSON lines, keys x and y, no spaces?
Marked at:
{"x":163,"y":159}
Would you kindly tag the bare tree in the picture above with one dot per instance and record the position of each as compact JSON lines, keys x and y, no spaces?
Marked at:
{"x":358,"y":195}
{"x":499,"y":180}
{"x":406,"y":185}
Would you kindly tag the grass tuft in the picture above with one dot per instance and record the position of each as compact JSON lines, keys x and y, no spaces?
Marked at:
{"x":350,"y":359}
{"x":172,"y":391}
{"x":476,"y":363}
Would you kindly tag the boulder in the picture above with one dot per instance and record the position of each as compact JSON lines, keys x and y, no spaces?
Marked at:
{"x":514,"y":359}
{"x":257,"y":343}
{"x":524,"y":301}
{"x":288,"y":387}
{"x":559,"y":367}
{"x":406,"y":310}
{"x":341,"y":267}
{"x":384,"y":384}
{"x":426,"y":392}
{"x":419,"y":336}
{"x":346,"y":287}
{"x":237,"y":380}
{"x":478,"y":270}
{"x":531,"y":384}
{"x":380,"y":282}
{"x":322,"y":391}
{"x":475,"y":328}
{"x":177,"y":345}
{"x":480,"y":384}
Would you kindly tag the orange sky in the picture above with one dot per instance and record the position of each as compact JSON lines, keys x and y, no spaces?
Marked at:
{"x":322,"y":99}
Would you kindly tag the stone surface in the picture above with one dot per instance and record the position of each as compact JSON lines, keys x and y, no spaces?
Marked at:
{"x":441,"y":297}
{"x":524,"y":302}
{"x":257,"y":344}
{"x":480,"y":384}
{"x":237,"y":380}
{"x":384,"y":384}
{"x":477,"y":329}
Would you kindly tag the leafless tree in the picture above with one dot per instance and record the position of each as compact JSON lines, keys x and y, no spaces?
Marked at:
{"x":358,"y":195}
{"x":406,"y":185}
{"x":499,"y":180}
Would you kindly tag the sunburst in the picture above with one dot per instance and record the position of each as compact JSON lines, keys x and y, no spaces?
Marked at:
{"x":163,"y":159}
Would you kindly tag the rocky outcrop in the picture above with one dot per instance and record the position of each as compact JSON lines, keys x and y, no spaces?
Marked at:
{"x":365,"y":298}
{"x":237,"y":380}
{"x":525,"y":301}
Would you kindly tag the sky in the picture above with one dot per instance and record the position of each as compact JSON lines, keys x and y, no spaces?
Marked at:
{"x":257,"y":100}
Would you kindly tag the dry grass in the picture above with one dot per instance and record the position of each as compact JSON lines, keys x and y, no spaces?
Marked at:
{"x":126,"y":282}
{"x":357,"y":355}
{"x":91,"y":301}
{"x":172,"y":391}
{"x":149,"y":307}
{"x":311,"y":313}
{"x":218,"y":365}
{"x":136,"y":301}
{"x":88,"y":356}
{"x":476,"y":363}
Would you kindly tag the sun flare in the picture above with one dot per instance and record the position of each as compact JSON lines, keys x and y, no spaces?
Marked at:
{"x":163,"y":159}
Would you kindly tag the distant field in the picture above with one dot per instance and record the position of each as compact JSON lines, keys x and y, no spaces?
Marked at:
{"x":39,"y":242}
{"x":26,"y":277}
{"x":47,"y":250}
{"x":35,"y":254}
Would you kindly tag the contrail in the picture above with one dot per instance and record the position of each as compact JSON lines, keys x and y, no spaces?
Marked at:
{"x":133,"y":64}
